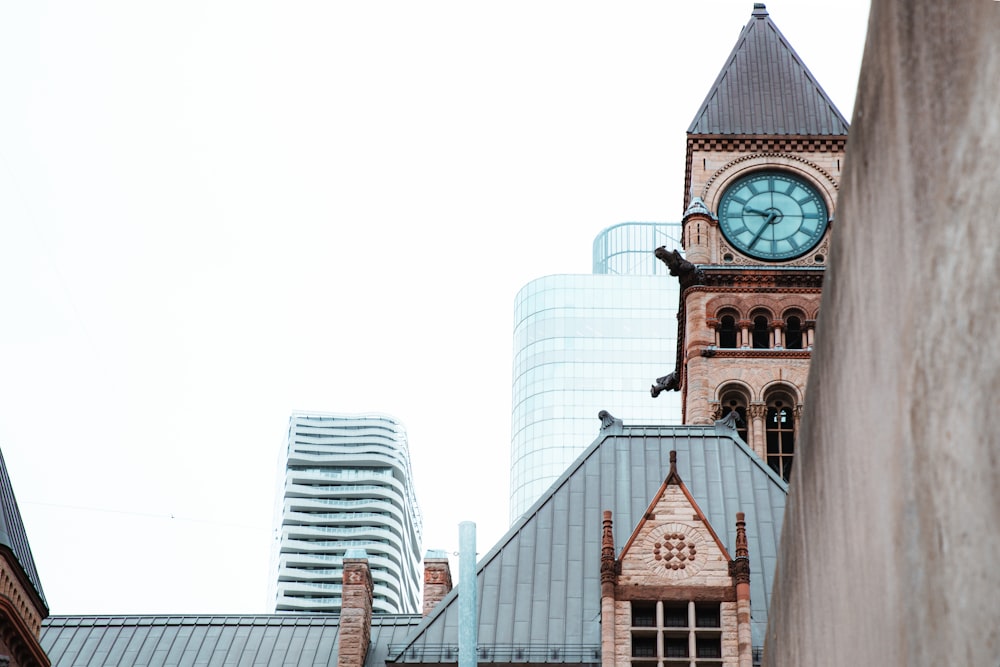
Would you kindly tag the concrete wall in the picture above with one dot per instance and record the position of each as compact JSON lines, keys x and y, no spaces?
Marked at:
{"x":893,"y":531}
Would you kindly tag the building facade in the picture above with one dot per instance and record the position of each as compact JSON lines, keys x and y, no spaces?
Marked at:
{"x":659,"y":544}
{"x":764,"y":158}
{"x":347,"y":485}
{"x":586,"y":343}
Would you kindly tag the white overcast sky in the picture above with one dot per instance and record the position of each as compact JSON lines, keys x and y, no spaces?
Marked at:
{"x":215,"y":213}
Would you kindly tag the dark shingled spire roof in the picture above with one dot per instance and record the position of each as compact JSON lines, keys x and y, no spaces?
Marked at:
{"x":12,"y":535}
{"x":765,"y":89}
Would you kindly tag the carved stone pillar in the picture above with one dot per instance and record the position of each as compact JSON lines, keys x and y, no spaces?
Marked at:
{"x":810,"y":327}
{"x":609,"y":579}
{"x":757,"y":412}
{"x":739,"y":569}
{"x":713,"y":324}
{"x":744,"y":326}
{"x":778,"y":327}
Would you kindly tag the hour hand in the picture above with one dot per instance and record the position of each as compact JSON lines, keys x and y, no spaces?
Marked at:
{"x":750,"y":209}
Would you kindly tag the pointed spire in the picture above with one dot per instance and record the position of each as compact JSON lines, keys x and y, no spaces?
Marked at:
{"x":765,"y":89}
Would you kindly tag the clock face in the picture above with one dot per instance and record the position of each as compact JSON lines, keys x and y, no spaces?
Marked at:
{"x":772,"y":215}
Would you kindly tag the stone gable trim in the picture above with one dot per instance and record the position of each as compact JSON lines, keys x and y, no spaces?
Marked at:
{"x":649,"y":515}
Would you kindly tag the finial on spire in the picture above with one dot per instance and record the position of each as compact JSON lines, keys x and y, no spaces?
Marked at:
{"x":759,"y":10}
{"x":673,"y":462}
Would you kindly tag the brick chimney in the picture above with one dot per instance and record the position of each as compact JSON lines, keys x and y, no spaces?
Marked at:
{"x":437,"y":578}
{"x":355,"y":610}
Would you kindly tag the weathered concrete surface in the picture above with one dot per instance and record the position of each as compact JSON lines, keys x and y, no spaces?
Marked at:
{"x":892,"y":536}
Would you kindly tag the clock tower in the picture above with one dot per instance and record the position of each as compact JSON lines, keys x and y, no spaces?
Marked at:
{"x":764,"y":158}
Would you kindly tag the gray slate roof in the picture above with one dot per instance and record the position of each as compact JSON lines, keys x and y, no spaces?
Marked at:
{"x":299,"y":640}
{"x":765,"y":89}
{"x":540,"y":585}
{"x":12,"y":533}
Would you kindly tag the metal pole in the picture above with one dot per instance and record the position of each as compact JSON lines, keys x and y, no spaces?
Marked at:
{"x":468,"y":607}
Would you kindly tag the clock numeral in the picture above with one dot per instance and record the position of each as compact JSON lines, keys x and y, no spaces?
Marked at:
{"x":738,"y":230}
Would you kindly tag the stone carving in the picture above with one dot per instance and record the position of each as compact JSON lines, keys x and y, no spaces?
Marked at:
{"x":731,"y":420}
{"x":609,"y":566}
{"x":675,"y":550}
{"x":677,"y":265}
{"x":670,"y":382}
{"x":607,"y":419}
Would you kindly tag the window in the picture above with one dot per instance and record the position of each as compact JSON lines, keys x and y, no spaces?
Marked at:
{"x":793,"y":333}
{"x":727,"y":332}
{"x":682,"y":634}
{"x":779,"y":428}
{"x":761,"y":333}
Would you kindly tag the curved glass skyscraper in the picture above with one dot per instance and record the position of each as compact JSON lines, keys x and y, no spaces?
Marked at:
{"x":586,"y":343}
{"x":348,"y":484}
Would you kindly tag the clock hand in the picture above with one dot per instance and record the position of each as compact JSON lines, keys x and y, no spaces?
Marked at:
{"x":770,"y":218}
{"x":750,"y":209}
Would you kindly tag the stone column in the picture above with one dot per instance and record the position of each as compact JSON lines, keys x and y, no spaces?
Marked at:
{"x":757,"y":412}
{"x":744,"y":326}
{"x":778,"y":337}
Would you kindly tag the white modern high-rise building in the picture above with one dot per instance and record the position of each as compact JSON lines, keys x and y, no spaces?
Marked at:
{"x":347,"y":485}
{"x":586,"y":343}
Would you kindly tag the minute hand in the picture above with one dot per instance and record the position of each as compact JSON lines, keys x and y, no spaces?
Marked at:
{"x":770,"y":217}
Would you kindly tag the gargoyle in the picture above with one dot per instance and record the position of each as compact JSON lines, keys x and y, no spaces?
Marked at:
{"x":731,"y":420}
{"x":677,"y":265}
{"x":670,"y":382}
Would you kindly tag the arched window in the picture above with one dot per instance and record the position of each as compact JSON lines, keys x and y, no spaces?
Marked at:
{"x":793,"y":333}
{"x":761,"y":333}
{"x":735,"y":401}
{"x":727,"y":331}
{"x":779,"y":432}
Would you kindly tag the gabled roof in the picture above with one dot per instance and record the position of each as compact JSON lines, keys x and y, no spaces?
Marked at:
{"x":765,"y":89}
{"x":539,"y":587}
{"x":299,"y":640}
{"x":12,"y":534}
